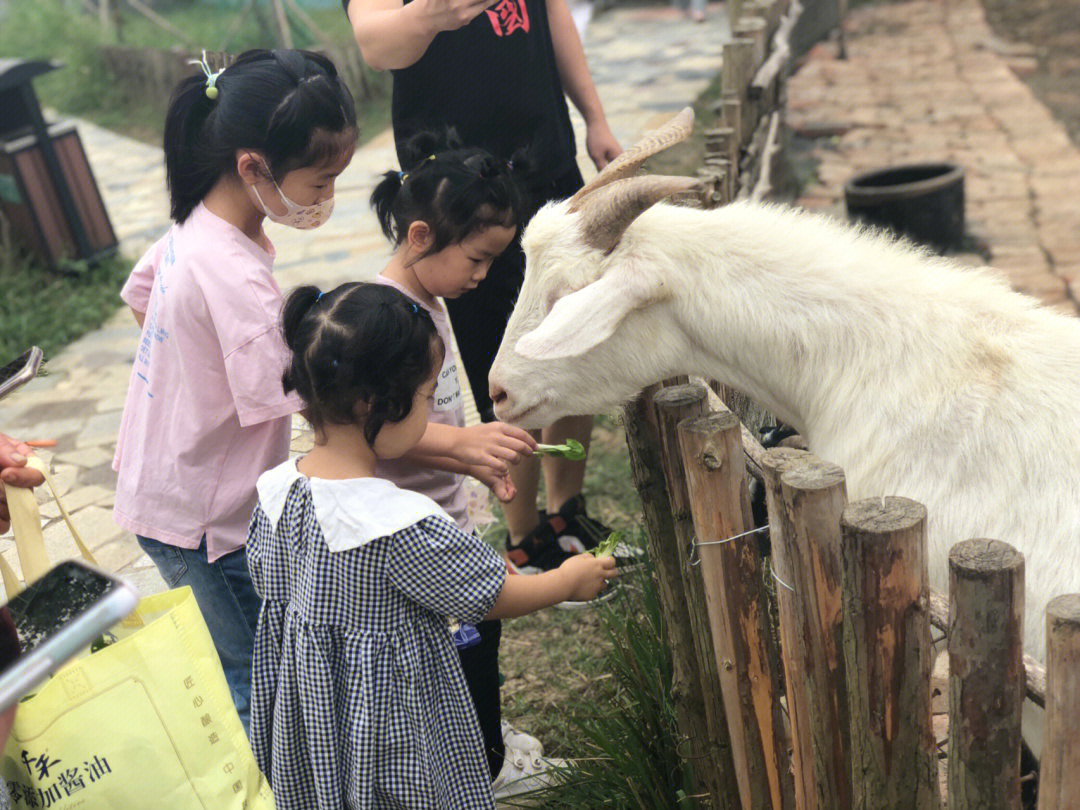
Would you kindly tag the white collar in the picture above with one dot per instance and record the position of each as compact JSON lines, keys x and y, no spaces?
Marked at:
{"x":351,"y":512}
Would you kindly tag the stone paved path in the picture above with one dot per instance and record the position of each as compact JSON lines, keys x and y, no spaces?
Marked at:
{"x":647,"y":63}
{"x":927,"y":81}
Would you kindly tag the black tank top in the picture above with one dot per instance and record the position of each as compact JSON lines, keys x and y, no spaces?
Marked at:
{"x":495,"y":80}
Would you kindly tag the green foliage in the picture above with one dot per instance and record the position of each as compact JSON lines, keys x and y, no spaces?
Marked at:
{"x":47,"y":29}
{"x":63,"y":31}
{"x":628,"y":747}
{"x":52,"y":308}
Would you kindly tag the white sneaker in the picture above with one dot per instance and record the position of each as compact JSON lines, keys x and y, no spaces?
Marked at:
{"x":523,"y":771}
{"x":515,"y":738}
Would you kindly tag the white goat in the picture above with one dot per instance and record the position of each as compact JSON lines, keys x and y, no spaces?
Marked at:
{"x":917,"y":376}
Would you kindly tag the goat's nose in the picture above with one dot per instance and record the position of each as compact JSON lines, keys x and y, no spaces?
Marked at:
{"x":497,"y":393}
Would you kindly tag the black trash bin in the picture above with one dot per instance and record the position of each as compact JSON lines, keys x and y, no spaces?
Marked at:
{"x":47,"y":189}
{"x":923,"y":201}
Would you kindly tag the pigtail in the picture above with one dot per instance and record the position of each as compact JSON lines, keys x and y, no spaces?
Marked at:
{"x":190,"y":168}
{"x":383,"y":198}
{"x":293,"y":314}
{"x":416,"y":151}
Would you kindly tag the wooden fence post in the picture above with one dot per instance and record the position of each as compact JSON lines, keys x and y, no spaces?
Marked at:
{"x":732,"y":570}
{"x":673,"y":405}
{"x":806,"y":499}
{"x":1059,"y":779}
{"x":887,"y":655}
{"x":735,"y":78}
{"x":986,"y":675}
{"x":754,"y":29}
{"x":687,"y":692}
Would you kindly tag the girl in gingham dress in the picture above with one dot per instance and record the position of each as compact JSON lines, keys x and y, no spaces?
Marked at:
{"x":358,"y":699}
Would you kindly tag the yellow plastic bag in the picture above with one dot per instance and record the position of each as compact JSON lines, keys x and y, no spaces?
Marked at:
{"x":146,"y":722}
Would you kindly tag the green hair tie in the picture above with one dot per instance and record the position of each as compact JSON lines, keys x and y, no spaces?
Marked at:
{"x":211,"y":76}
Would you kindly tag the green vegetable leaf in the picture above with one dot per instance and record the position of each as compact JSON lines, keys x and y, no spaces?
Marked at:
{"x":607,"y":546}
{"x":572,"y":450}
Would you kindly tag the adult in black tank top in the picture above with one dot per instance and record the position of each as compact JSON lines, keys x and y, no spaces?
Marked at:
{"x":498,"y":71}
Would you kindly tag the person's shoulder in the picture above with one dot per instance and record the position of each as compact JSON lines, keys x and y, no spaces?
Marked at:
{"x":273,"y":488}
{"x":358,"y":511}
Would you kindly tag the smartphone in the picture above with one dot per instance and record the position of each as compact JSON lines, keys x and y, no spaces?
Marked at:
{"x":20,"y":371}
{"x":55,"y":618}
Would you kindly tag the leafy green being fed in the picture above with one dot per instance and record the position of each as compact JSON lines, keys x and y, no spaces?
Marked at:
{"x":572,"y":450}
{"x":608,"y":545}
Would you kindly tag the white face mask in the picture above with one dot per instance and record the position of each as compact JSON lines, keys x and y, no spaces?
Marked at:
{"x":304,"y":217}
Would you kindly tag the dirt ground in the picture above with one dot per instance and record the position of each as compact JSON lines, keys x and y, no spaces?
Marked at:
{"x":1045,"y":35}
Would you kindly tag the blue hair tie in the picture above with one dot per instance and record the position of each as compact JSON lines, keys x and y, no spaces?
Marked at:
{"x":319,"y":297}
{"x":402,"y":176}
{"x":415,"y":308}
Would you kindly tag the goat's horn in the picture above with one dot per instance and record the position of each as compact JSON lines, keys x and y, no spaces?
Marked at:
{"x":608,"y":212}
{"x":626,"y":164}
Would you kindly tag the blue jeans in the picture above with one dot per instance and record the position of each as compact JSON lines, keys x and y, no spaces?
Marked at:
{"x":228,"y":603}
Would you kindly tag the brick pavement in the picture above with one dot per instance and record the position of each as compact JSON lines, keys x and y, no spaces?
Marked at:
{"x":647,"y":63}
{"x":927,"y":80}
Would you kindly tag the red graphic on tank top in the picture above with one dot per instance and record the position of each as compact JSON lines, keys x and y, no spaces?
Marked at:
{"x":509,"y":16}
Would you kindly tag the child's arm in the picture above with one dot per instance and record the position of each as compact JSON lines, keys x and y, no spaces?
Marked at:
{"x":493,"y":445}
{"x":580,"y":578}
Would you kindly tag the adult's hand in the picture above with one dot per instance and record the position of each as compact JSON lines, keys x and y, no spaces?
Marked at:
{"x":449,"y":15}
{"x":15,"y":473}
{"x":601,"y":144}
{"x":393,"y":35}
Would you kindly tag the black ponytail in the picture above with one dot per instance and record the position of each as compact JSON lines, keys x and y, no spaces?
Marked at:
{"x":293,"y":311}
{"x":290,"y":105}
{"x":455,"y":190}
{"x":190,"y":172}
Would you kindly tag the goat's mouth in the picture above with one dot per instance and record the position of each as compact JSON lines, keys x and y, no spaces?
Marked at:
{"x":514,"y":418}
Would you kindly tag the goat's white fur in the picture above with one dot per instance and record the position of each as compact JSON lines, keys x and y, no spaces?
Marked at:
{"x":917,"y":376}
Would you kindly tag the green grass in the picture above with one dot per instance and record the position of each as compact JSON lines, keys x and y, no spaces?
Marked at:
{"x":556,"y":657}
{"x":594,"y":685}
{"x":53,"y":29}
{"x":626,"y":736}
{"x":50,"y":309}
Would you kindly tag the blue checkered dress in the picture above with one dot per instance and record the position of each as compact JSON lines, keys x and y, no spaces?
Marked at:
{"x":357,"y":697}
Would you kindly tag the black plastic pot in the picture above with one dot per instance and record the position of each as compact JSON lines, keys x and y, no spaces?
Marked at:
{"x":924,"y":202}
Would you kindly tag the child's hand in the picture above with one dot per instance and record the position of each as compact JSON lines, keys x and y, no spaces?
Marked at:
{"x":499,"y":484}
{"x":588,"y":575}
{"x":494,"y":445}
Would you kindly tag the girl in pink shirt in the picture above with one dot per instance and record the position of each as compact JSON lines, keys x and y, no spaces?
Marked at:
{"x":205,"y":413}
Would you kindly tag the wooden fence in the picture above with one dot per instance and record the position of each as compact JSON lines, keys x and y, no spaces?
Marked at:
{"x":802,"y":678}
{"x":744,"y":152}
{"x":802,"y":675}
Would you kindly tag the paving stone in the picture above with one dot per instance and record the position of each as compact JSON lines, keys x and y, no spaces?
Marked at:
{"x":1022,"y":171}
{"x":89,"y":457}
{"x":101,"y":428}
{"x":96,"y":527}
{"x":80,"y":497}
{"x":120,"y":554}
{"x":59,"y":545}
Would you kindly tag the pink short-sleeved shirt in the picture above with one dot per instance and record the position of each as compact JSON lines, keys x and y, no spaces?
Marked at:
{"x":205,"y":413}
{"x":447,"y":489}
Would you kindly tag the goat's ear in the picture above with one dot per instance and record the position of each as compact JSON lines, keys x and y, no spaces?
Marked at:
{"x":585,"y":318}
